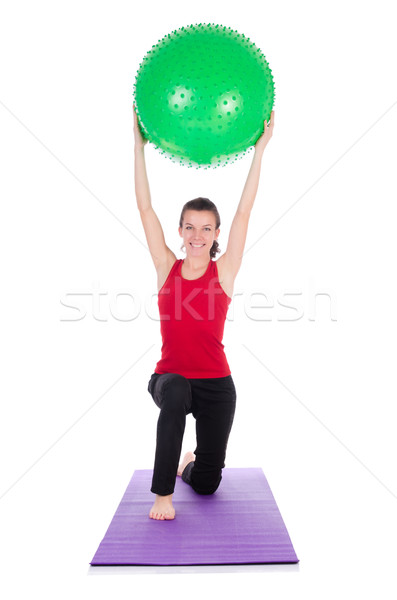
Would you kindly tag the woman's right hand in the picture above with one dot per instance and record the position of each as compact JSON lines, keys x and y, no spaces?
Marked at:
{"x":140,"y":141}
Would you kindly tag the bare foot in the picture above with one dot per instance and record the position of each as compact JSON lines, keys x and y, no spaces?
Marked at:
{"x":188,"y":458}
{"x":162,"y":509}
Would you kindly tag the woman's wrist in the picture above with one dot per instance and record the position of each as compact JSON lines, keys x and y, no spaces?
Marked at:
{"x":258,"y":153}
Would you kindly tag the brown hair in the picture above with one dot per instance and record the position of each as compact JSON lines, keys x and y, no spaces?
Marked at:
{"x":204,"y":204}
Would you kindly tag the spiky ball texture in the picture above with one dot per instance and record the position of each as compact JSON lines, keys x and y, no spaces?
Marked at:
{"x":202,"y":93}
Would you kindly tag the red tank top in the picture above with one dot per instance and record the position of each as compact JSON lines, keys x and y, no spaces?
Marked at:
{"x":192,"y":319}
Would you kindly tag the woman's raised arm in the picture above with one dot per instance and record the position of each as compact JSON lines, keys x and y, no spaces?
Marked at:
{"x":162,"y":256}
{"x":230,"y":262}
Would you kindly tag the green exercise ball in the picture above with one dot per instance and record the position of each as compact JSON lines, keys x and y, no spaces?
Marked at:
{"x":202,"y":93}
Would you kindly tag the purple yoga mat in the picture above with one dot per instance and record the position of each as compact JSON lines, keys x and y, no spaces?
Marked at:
{"x":239,"y":524}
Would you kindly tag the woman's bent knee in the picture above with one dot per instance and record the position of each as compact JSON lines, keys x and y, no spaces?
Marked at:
{"x":172,"y":393}
{"x":205,"y":486}
{"x":206,"y":492}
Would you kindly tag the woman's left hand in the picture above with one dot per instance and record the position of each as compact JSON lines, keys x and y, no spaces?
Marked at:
{"x":266,"y":135}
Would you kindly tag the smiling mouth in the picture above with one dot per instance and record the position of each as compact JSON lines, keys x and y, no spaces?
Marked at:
{"x":197,"y":245}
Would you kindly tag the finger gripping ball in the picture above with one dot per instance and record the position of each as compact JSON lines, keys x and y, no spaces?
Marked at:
{"x":202,"y":94}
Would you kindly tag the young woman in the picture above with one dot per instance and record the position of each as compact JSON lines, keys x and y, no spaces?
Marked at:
{"x":193,"y":375}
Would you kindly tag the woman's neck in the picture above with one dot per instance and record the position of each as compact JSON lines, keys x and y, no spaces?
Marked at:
{"x":195,"y":264}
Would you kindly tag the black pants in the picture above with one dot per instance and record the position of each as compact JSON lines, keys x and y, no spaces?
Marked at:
{"x":212,"y":403}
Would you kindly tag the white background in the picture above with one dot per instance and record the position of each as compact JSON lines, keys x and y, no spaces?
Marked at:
{"x":316,"y":385}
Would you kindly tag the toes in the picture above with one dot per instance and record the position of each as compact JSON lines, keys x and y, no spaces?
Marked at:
{"x":161,"y":516}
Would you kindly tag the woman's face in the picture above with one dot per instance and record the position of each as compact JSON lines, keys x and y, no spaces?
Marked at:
{"x":198,"y":231}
